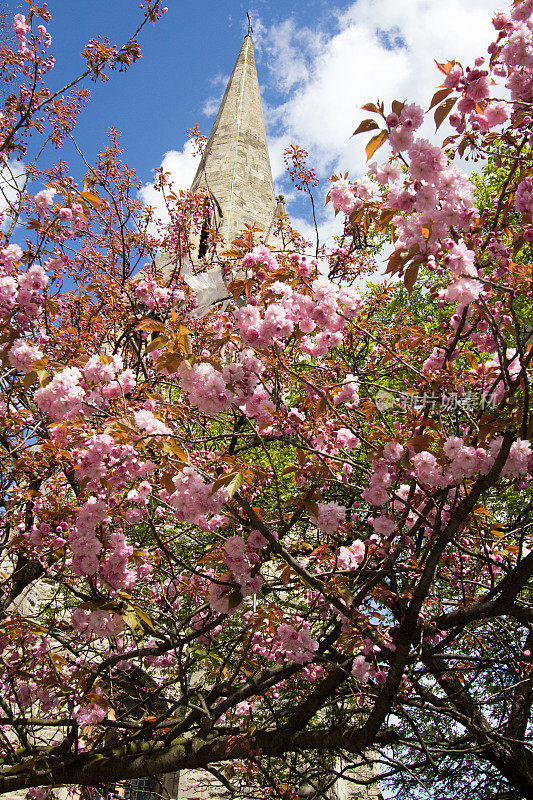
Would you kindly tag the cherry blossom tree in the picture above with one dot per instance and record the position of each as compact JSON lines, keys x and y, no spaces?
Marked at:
{"x":293,"y":532}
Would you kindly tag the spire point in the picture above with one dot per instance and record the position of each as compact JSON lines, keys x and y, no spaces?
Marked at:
{"x":235,"y":167}
{"x":250,"y":29}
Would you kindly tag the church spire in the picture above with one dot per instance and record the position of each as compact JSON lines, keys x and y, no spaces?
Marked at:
{"x":235,"y":167}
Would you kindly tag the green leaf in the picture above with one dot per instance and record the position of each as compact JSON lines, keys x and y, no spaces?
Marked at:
{"x":235,"y":484}
{"x":143,"y":616}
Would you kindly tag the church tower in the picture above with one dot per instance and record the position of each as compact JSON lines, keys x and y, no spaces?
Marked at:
{"x":235,"y":168}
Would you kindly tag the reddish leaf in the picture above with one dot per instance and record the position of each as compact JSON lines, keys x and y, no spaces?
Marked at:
{"x":375,"y":143}
{"x":410,"y":277}
{"x":445,"y":67}
{"x":150,"y":325}
{"x":443,"y":110}
{"x":92,"y":198}
{"x":365,"y":126}
{"x":419,"y":443}
{"x":397,"y":107}
{"x":370,"y":107}
{"x":438,"y":96}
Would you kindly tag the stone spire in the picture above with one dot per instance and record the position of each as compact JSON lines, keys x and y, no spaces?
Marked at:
{"x":236,"y":166}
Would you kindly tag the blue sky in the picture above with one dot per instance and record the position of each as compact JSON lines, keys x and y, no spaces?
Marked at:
{"x":318,"y":62}
{"x":164,"y":94}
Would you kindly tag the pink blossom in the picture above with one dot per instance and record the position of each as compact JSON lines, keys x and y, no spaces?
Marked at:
{"x":400,"y":138}
{"x":478,"y":89}
{"x":8,"y":292}
{"x":524,"y":197}
{"x":393,"y":451}
{"x":100,"y":369}
{"x":342,"y":195}
{"x":43,"y":200}
{"x":205,"y":386}
{"x":427,"y":161}
{"x":465,"y":290}
{"x":497,"y":113}
{"x":235,"y":547}
{"x":296,"y":645}
{"x":34,"y":280}
{"x":10,"y":255}
{"x":22,"y":354}
{"x":63,"y":397}
{"x":346,"y":439}
{"x":350,"y":557}
{"x":261,"y":254}
{"x":460,"y":260}
{"x":361,"y":669}
{"x":389,"y":173}
{"x":20,"y":27}
{"x":453,"y":78}
{"x":383,"y":525}
{"x":149,"y":424}
{"x":349,"y":392}
{"x":193,"y":497}
{"x":256,"y":540}
{"x":411,"y":116}
{"x":330,"y":516}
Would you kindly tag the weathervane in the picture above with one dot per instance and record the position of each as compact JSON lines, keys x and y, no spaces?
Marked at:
{"x":250,"y":29}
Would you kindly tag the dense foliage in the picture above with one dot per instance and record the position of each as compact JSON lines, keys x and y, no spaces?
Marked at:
{"x":282,"y":532}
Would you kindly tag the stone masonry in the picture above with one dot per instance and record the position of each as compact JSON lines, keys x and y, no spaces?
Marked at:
{"x":235,"y":167}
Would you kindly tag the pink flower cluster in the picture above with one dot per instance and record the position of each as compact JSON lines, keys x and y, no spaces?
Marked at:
{"x":205,"y":386}
{"x":43,"y":200}
{"x":517,"y":52}
{"x":349,"y":393}
{"x":466,"y":461}
{"x":402,"y":127}
{"x":22,"y":292}
{"x":149,"y":424}
{"x":98,"y":623}
{"x":294,"y":645}
{"x":330,"y":516}
{"x":148,"y":292}
{"x":441,"y":198}
{"x":22,"y":354}
{"x":63,"y":398}
{"x":260,"y":255}
{"x":193,"y":498}
{"x":324,"y":313}
{"x":91,"y":713}
{"x":377,"y":492}
{"x":106,"y":379}
{"x":114,"y":567}
{"x":240,"y":555}
{"x":71,"y":392}
{"x":342,"y":196}
{"x":350,"y":557}
{"x":524,"y":198}
{"x":384,"y":526}
{"x":84,"y":543}
{"x":361,"y":669}
{"x":102,"y":459}
{"x":346,"y":440}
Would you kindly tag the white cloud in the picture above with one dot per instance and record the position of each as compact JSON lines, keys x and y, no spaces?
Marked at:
{"x":211,"y":105}
{"x":321,"y":76}
{"x":381,"y":49}
{"x":12,"y":179}
{"x":276,"y":146}
{"x":181,"y":166}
